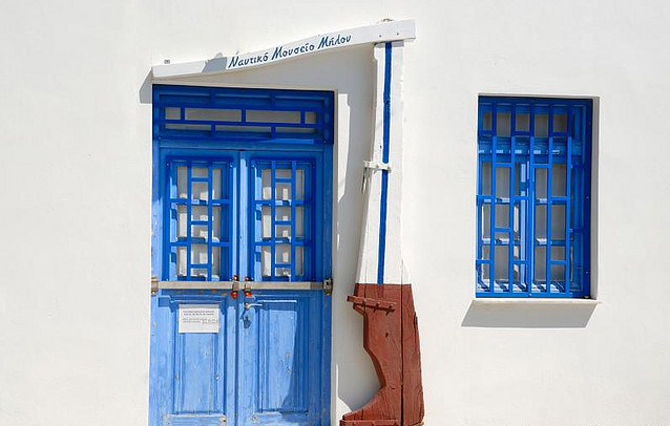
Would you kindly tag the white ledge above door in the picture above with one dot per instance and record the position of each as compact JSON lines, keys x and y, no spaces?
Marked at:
{"x":377,"y":33}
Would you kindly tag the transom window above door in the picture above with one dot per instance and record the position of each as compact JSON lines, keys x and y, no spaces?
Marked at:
{"x":242,"y":115}
{"x":533,"y":197}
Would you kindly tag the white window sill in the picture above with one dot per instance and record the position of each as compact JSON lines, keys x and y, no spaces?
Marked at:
{"x":495,"y":301}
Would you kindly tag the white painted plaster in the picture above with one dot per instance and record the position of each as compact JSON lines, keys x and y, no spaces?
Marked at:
{"x":75,"y":208}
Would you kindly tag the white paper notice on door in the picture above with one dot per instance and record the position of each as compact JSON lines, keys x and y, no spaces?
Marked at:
{"x":199,"y":319}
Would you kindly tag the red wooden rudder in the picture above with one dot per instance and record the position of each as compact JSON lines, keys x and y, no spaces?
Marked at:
{"x":391,"y":338}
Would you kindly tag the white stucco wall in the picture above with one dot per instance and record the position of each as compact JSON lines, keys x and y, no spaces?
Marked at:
{"x":75,"y":168}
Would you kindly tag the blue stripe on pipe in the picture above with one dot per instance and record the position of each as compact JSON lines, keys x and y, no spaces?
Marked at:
{"x":385,"y":158}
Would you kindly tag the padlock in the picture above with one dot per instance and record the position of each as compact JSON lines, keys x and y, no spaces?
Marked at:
{"x":236,"y":287}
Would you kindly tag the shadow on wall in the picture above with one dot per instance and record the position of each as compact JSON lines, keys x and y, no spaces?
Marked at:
{"x":519,"y":315}
{"x":351,"y":73}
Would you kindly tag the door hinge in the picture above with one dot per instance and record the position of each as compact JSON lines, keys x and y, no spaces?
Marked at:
{"x":154,"y":285}
{"x":328,"y":286}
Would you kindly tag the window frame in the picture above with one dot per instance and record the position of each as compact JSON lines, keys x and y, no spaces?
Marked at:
{"x":513,"y":148}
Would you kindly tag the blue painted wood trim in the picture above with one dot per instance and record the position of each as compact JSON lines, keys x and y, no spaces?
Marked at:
{"x":533,"y":149}
{"x":388,"y":57}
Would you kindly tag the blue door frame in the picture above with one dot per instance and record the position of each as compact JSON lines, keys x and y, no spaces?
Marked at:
{"x":270,"y":361}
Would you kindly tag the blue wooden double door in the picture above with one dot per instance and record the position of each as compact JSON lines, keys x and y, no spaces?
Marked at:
{"x":240,"y":322}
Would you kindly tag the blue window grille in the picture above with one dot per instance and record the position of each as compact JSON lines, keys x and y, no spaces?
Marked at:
{"x":533,"y":197}
{"x":283,"y":203}
{"x":199,"y":213}
{"x":245,"y":174}
{"x":208,"y":115}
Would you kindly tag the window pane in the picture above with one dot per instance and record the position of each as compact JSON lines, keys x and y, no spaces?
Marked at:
{"x":484,"y":272}
{"x":486,"y":252}
{"x":503,"y":124}
{"x":486,"y":178}
{"x":502,"y":216}
{"x":517,"y":220}
{"x":557,"y":253}
{"x":283,"y":191}
{"x":210,"y":114}
{"x":264,"y":116}
{"x":266,"y":260}
{"x":181,"y":261}
{"x":557,"y":222}
{"x":199,"y":254}
{"x":486,"y":121}
{"x":199,"y":191}
{"x":182,"y":186}
{"x":283,"y":213}
{"x":541,"y":125}
{"x":502,"y":263}
{"x":299,"y":222}
{"x":299,"y":185}
{"x":486,"y":221}
{"x":558,"y":274}
{"x":283,"y":253}
{"x":172,"y":113}
{"x":541,"y":221}
{"x":181,"y":221}
{"x":266,"y":184}
{"x":299,"y":261}
{"x":560,"y":123}
{"x":216,"y":262}
{"x":216,"y":184}
{"x":558,"y":180}
{"x":266,"y":221}
{"x":283,"y":231}
{"x":540,"y":183}
{"x":540,"y":266}
{"x":502,"y":182}
{"x":519,"y":171}
{"x":522,"y":122}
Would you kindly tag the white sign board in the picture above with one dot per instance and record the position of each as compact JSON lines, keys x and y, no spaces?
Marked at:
{"x":199,"y":319}
{"x":378,"y":33}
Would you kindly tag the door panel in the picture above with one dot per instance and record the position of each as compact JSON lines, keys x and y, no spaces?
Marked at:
{"x":282,"y":352}
{"x":191,"y":372}
{"x":198,"y":374}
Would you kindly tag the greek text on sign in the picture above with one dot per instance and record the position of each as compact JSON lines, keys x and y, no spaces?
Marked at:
{"x":199,"y":319}
{"x":289,"y":50}
{"x":371,"y":34}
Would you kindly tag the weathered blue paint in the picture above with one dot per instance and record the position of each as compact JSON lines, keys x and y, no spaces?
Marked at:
{"x":282,"y":358}
{"x":533,"y":141}
{"x":269,"y":364}
{"x":386,"y":138}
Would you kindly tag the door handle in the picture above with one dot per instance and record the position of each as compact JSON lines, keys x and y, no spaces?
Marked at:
{"x":248,"y":305}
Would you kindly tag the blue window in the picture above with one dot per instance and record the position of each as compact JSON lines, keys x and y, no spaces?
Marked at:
{"x":533,"y":197}
{"x":245,"y":183}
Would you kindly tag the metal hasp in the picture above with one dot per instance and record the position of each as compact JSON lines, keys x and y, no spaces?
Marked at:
{"x":383,"y":295}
